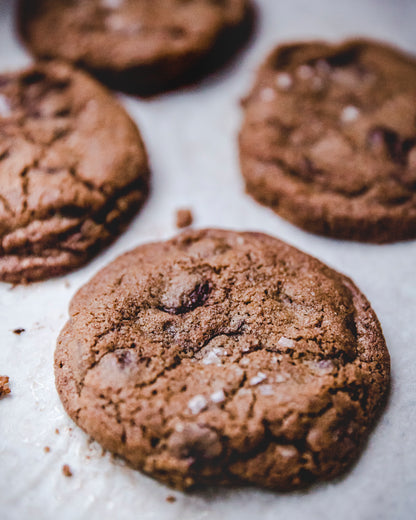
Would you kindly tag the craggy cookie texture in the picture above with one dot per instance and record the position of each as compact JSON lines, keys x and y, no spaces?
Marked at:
{"x":141,"y":46}
{"x":225,"y":358}
{"x":329,"y":139}
{"x":73,"y":170}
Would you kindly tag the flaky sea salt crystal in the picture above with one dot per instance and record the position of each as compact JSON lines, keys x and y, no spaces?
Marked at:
{"x":220,"y":351}
{"x":281,"y":378}
{"x":112,"y":4}
{"x":266,"y":94}
{"x":321,"y":367}
{"x":287,"y":451}
{"x":5,"y":109}
{"x":117,"y":22}
{"x":218,"y":397}
{"x":211,"y":359}
{"x":284,"y":81}
{"x":286,"y":342}
{"x":304,"y":72}
{"x":197,"y":404}
{"x":266,"y":389}
{"x":259,"y":378}
{"x":179,"y":427}
{"x":349,"y":114}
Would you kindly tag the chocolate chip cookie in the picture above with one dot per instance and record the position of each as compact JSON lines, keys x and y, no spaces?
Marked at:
{"x":73,"y":171}
{"x":140,"y":46}
{"x":224,"y":358}
{"x":329,"y":139}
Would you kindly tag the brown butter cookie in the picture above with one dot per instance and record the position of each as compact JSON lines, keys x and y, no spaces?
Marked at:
{"x":223,"y":358}
{"x":73,"y":171}
{"x":329,"y":139}
{"x":140,"y":46}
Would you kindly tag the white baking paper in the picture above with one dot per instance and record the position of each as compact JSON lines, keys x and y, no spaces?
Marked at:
{"x":191,"y":139}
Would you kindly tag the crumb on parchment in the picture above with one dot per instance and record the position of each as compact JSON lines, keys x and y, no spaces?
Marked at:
{"x":4,"y":386}
{"x":184,"y":217}
{"x":66,"y":470}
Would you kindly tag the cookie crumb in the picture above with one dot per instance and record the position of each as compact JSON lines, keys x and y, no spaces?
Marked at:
{"x":46,"y":449}
{"x":66,"y":470}
{"x":171,"y":499}
{"x":56,"y":431}
{"x":19,"y":331}
{"x":184,"y":218}
{"x":4,"y":386}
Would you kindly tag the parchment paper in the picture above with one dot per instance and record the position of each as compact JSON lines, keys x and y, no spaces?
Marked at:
{"x":191,"y":139}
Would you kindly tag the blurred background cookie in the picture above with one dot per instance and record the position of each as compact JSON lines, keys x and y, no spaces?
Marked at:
{"x":139,"y":46}
{"x":329,"y":139}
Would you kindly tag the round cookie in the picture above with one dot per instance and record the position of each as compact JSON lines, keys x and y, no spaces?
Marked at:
{"x":223,"y":358}
{"x":139,"y":46}
{"x":329,"y":139}
{"x":73,"y":171}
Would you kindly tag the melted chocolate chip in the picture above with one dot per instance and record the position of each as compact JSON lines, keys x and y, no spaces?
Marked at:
{"x":285,"y":55}
{"x":191,"y":301}
{"x":307,"y":169}
{"x":124,"y":357}
{"x":33,"y":77}
{"x":381,"y":138}
{"x":343,"y":58}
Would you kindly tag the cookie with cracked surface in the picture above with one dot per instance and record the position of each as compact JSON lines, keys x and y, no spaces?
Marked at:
{"x":140,"y":46}
{"x":329,"y":139}
{"x":223,"y":358}
{"x":73,"y":171}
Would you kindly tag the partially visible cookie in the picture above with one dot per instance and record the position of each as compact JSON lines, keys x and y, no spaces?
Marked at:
{"x":73,"y":171}
{"x":140,"y":46}
{"x":224,"y":358}
{"x":184,"y":217}
{"x":329,"y":139}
